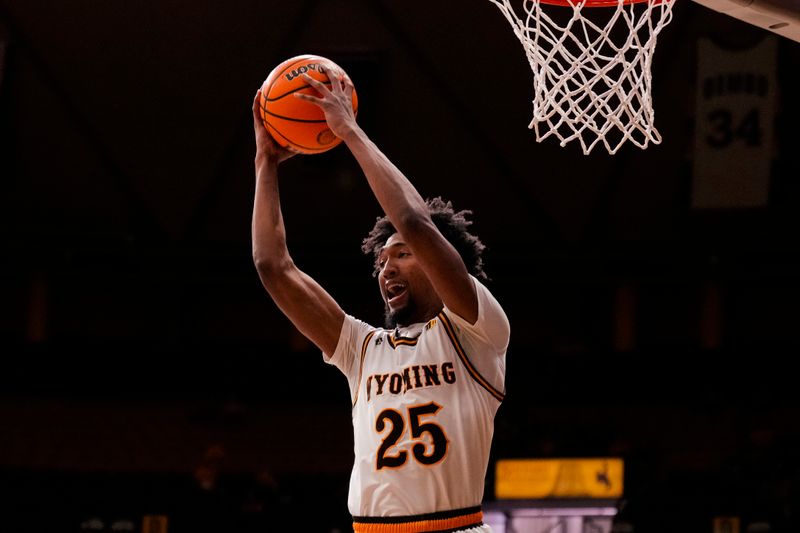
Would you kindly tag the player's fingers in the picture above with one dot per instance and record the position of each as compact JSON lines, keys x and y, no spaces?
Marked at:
{"x":347,"y":85}
{"x":336,"y":76}
{"x":318,"y":85}
{"x":309,"y":98}
{"x":257,"y":108}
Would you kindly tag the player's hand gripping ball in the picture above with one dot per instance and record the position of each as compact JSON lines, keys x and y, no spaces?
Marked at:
{"x":294,"y":123}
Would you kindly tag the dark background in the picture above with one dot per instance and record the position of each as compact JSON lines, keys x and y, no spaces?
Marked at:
{"x":140,"y":354}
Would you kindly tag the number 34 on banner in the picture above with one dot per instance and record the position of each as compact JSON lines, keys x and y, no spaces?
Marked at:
{"x":735,"y":108}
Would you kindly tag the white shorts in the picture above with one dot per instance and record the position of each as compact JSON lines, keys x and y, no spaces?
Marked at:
{"x":480,"y":529}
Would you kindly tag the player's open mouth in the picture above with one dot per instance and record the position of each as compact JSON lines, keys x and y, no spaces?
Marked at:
{"x":395,"y":294}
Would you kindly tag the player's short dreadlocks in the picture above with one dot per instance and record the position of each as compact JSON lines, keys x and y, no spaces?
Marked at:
{"x":453,"y":226}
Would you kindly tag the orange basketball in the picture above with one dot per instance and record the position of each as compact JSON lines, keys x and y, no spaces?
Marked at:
{"x":292,"y":122}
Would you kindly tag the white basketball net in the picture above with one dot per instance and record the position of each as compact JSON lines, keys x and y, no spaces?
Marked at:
{"x":591,"y":80}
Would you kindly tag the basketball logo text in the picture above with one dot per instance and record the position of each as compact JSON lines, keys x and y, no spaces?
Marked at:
{"x":299,"y":71}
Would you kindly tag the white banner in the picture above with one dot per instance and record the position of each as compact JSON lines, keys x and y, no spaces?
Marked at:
{"x":735,"y":106}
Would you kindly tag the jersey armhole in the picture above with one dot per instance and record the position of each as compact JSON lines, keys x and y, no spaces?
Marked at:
{"x":462,"y":355}
{"x":364,"y":347}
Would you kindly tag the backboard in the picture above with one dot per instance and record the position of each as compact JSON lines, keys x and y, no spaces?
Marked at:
{"x":779,"y":16}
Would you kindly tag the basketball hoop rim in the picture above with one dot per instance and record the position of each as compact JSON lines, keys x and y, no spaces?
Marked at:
{"x":598,"y":3}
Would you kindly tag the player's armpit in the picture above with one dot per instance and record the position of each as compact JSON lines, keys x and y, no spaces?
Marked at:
{"x":305,"y":303}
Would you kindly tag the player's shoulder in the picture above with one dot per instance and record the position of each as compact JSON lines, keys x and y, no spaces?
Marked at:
{"x":492,"y":325}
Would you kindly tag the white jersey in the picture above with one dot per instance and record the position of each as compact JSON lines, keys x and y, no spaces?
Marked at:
{"x":424,"y":400}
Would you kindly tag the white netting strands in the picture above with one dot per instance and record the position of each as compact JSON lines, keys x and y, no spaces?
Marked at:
{"x":591,"y":80}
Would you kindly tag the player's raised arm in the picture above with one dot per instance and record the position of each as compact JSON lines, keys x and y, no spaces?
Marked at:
{"x":400,"y":201}
{"x":310,"y":308}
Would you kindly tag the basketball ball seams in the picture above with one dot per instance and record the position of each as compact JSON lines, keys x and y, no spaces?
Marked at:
{"x":311,"y":121}
{"x":287,"y":139}
{"x":273,"y":99}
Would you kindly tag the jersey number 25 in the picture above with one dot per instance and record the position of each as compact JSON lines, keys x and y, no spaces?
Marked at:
{"x":418,"y":431}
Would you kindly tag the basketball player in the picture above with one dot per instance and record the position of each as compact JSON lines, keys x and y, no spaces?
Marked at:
{"x":426,"y":388}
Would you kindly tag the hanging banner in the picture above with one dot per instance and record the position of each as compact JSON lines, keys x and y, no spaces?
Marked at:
{"x":735,"y":104}
{"x":559,"y":478}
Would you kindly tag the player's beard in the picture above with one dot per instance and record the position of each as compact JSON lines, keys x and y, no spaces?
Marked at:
{"x":399,"y":317}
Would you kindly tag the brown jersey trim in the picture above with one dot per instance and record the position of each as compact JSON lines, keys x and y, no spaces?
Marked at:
{"x":440,"y":522}
{"x":395,"y":341}
{"x":364,"y":347}
{"x":451,"y":333}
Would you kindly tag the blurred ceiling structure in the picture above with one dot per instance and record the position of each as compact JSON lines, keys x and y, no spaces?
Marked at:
{"x":127,"y":156}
